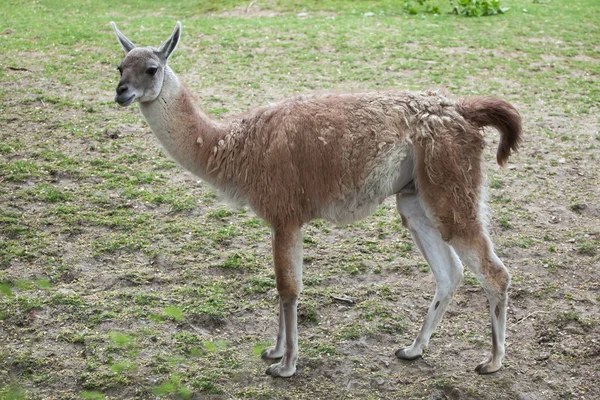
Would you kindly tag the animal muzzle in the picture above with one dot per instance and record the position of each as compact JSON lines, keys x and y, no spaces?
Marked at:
{"x":124,"y":96}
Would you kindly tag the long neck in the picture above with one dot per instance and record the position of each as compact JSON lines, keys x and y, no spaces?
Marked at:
{"x":187,"y":134}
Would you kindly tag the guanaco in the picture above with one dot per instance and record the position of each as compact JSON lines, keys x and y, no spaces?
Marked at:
{"x":338,"y":157}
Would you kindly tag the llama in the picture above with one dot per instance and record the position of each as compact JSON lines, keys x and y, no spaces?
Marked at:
{"x":338,"y":157}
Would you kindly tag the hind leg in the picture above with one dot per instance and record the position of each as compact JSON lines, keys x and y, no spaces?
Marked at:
{"x":443,"y":261}
{"x":450,"y":180}
{"x":477,"y":253}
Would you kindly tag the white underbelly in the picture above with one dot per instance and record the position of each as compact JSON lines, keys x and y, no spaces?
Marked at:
{"x":391,"y":173}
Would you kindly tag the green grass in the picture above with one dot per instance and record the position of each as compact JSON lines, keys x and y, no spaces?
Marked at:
{"x":123,"y":277}
{"x":588,"y":248}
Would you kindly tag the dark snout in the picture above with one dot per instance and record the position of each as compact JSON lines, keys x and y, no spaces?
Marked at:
{"x":124,"y":96}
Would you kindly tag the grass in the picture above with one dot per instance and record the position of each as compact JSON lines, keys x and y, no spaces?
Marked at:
{"x":123,"y":277}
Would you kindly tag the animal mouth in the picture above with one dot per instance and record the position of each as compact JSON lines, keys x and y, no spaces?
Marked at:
{"x":125,"y":102}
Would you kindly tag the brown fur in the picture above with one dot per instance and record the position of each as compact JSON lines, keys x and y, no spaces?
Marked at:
{"x":488,"y":111}
{"x":494,"y":273}
{"x":287,"y":281}
{"x":311,"y":150}
{"x":308,"y":150}
{"x":449,"y":162}
{"x":329,"y":143}
{"x":338,"y":156}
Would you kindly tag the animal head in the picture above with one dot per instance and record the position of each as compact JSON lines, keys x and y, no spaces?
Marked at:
{"x":143,"y":68}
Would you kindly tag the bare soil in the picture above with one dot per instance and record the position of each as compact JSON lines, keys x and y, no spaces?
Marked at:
{"x":544,"y":220}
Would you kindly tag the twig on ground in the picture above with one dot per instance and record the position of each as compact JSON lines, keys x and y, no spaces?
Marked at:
{"x":18,"y":69}
{"x":345,"y":300}
{"x":250,"y":5}
{"x":527,"y":316}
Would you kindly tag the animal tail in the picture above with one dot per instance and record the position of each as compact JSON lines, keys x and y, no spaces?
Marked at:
{"x":489,"y":111}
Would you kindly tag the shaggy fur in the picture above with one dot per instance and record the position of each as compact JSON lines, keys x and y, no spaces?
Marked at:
{"x":338,"y":157}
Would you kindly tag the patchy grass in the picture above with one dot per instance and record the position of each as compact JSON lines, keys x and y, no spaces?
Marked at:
{"x":122,"y":276}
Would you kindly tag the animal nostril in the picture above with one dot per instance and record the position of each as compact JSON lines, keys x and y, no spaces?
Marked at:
{"x":121,"y":89}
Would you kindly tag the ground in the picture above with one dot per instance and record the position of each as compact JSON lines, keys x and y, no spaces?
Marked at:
{"x":124,"y":277}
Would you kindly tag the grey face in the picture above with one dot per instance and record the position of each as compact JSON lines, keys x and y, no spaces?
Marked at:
{"x":142,"y":72}
{"x":143,"y":68}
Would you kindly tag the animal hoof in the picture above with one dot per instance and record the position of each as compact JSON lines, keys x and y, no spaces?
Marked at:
{"x":280,"y":371}
{"x":270,"y":354}
{"x":406,"y":353}
{"x":487,"y":367}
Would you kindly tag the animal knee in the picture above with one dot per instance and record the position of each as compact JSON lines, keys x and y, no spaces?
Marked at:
{"x":496,"y":276}
{"x":504,"y":280}
{"x":288,"y":288}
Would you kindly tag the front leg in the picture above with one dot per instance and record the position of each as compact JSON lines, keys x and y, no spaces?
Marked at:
{"x":276,"y":352}
{"x":287,"y":255}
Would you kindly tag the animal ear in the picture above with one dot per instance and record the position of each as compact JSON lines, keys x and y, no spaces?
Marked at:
{"x":125,"y":43}
{"x":169,"y":45}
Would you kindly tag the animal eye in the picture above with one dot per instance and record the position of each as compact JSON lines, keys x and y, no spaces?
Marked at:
{"x":120,"y":70}
{"x":151,"y":71}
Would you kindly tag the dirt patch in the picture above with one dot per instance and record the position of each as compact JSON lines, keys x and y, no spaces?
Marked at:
{"x":121,"y":273}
